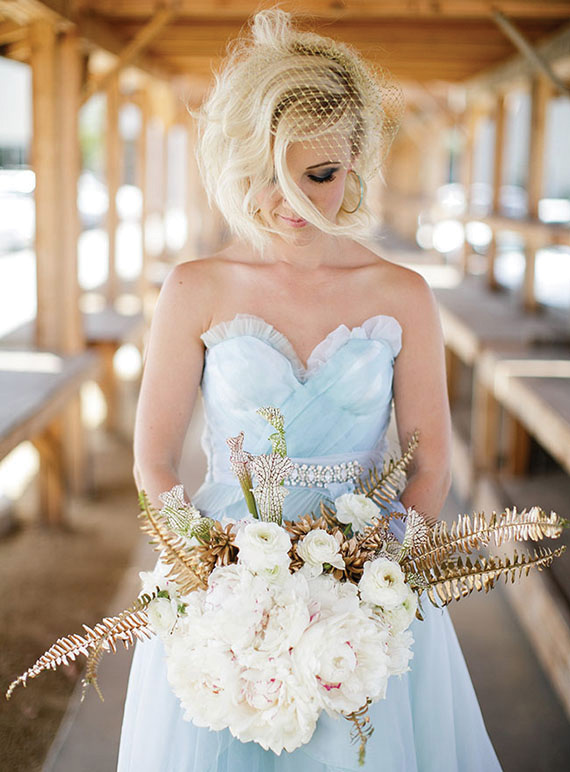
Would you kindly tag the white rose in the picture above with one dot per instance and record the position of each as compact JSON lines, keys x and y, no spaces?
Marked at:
{"x":162,"y":614}
{"x":382,"y":584}
{"x":263,"y":545}
{"x":356,"y":509}
{"x":319,"y":547}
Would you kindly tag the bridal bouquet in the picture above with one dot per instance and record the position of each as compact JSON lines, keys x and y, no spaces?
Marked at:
{"x":266,"y":623}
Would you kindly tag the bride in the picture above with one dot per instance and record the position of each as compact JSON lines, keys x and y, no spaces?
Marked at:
{"x":298,"y":314}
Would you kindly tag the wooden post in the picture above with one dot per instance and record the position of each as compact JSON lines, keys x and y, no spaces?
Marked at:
{"x":484,"y":428}
{"x":142,"y":181}
{"x":540,"y":95}
{"x":51,"y":476}
{"x":114,"y":172}
{"x":529,"y":296}
{"x":467,"y":173}
{"x":499,"y":146}
{"x":69,"y":83}
{"x":518,"y":446}
{"x":44,"y":162}
{"x":72,"y":337}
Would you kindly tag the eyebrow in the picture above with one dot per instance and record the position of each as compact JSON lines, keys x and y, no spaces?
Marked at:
{"x":326,"y":163}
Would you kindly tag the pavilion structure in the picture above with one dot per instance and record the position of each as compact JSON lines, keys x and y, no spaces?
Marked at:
{"x":459,"y":62}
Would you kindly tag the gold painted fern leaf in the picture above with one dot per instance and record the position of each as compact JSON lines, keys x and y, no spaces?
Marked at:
{"x":184,"y":568}
{"x":469,"y":533}
{"x":361,"y":730}
{"x":457,"y":578}
{"x":384,"y":488}
{"x":126,"y":628}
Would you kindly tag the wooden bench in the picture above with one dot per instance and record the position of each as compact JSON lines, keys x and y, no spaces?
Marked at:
{"x":476,"y":320}
{"x":533,"y":386}
{"x":36,"y":387}
{"x":105,"y":332}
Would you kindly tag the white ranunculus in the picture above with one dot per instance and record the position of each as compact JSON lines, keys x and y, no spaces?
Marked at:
{"x":319,"y":547}
{"x":355,"y":509}
{"x":162,"y":614}
{"x":157,"y":578}
{"x":401,"y":617}
{"x":382,"y":583}
{"x":263,"y":545}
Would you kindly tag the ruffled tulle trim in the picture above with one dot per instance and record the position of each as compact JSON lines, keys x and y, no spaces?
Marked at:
{"x":382,"y":327}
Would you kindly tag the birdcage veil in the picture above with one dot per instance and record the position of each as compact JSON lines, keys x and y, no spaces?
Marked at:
{"x":279,"y":85}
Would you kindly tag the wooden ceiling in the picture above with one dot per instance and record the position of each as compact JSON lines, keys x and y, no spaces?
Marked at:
{"x":418,"y":40}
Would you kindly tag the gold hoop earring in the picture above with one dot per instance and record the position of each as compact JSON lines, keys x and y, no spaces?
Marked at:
{"x":357,"y":207}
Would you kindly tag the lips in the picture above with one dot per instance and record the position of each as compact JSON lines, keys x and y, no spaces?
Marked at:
{"x":294,"y":222}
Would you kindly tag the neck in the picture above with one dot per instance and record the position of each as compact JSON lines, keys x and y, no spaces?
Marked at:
{"x":307,"y":252}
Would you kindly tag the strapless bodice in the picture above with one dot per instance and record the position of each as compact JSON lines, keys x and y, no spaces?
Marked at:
{"x":337,"y":407}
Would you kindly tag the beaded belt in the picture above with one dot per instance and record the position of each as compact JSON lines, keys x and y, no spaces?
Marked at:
{"x":321,"y":475}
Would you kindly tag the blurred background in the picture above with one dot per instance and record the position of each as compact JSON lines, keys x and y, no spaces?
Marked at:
{"x":100,"y":197}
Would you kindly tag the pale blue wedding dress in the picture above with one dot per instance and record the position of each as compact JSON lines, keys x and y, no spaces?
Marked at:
{"x":336,"y":409}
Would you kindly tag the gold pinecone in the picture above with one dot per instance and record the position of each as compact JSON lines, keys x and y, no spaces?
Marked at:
{"x":220,"y":550}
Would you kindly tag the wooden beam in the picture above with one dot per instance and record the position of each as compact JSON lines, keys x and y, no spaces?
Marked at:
{"x":10,"y":32}
{"x":553,"y":48}
{"x":133,"y":49}
{"x":240,"y":10}
{"x":538,"y":62}
{"x":44,"y":163}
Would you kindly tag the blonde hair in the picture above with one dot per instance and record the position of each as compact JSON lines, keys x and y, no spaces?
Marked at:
{"x":278,"y":86}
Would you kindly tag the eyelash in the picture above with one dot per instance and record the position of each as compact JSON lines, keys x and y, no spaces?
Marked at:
{"x":329,"y":177}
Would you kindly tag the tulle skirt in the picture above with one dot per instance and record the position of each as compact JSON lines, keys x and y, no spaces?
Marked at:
{"x":430,"y":720}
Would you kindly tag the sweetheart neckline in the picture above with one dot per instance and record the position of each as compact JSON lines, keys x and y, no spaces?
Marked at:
{"x":304,"y":368}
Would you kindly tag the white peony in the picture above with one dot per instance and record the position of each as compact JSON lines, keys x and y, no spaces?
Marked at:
{"x":316,"y":548}
{"x":343,"y":658}
{"x":400,"y":652}
{"x":283,"y":714}
{"x":263,"y":545}
{"x":206,"y":680}
{"x":355,"y":509}
{"x":382,"y":583}
{"x":328,"y":596}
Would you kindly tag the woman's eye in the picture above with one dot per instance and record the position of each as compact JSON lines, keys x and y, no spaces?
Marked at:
{"x":327,"y":177}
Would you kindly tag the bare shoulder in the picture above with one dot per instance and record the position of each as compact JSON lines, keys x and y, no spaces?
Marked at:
{"x":403,"y":292}
{"x":189,"y":291}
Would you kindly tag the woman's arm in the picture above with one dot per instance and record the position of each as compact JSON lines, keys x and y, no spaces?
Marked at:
{"x":172,"y":373}
{"x":421,"y":401}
